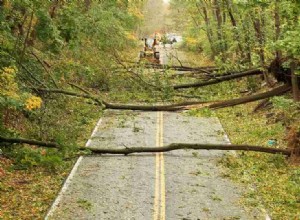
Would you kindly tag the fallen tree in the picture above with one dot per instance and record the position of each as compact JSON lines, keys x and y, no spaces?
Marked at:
{"x":179,"y":68}
{"x":107,"y":105}
{"x":219,"y":79}
{"x":172,"y":107}
{"x":274,"y":92}
{"x":180,"y":146}
{"x":28,"y":141}
{"x":171,"y":147}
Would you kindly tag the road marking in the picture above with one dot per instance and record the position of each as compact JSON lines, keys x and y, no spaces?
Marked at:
{"x":162,"y":173}
{"x":156,"y":193}
{"x":159,"y":194}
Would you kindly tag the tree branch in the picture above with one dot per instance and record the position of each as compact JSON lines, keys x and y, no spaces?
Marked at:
{"x":179,"y":146}
{"x":274,"y":92}
{"x":28,"y":141}
{"x":219,"y":79}
{"x":106,"y":105}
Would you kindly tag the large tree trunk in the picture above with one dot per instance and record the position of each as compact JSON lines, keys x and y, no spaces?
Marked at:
{"x":233,"y":102}
{"x":219,"y":79}
{"x":179,"y":146}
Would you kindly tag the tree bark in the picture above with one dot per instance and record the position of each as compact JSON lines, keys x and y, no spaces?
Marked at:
{"x":219,"y":79}
{"x":259,"y":25}
{"x":179,"y":146}
{"x":278,"y":53}
{"x":218,"y":17}
{"x":261,"y":105}
{"x":295,"y":82}
{"x":209,"y":32}
{"x":28,"y":141}
{"x":180,"y":68}
{"x":233,"y":102}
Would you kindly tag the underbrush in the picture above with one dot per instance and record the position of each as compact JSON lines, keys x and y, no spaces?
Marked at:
{"x":31,"y":176}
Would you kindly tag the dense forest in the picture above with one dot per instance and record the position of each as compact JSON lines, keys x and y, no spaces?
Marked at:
{"x":63,"y":63}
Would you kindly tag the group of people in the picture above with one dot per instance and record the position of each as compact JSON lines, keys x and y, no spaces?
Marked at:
{"x":152,"y":43}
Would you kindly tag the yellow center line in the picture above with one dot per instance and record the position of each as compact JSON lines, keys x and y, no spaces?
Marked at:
{"x":156,"y":193}
{"x":162,"y":176}
{"x":160,"y":195}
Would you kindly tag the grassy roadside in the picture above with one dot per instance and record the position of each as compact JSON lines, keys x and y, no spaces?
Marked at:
{"x":272,"y":182}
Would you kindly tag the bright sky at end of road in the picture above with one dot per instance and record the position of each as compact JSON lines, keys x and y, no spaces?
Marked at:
{"x":166,"y":1}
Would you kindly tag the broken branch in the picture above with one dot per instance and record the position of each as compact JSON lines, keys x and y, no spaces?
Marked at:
{"x":180,"y":146}
{"x":275,"y":92}
{"x":219,"y":79}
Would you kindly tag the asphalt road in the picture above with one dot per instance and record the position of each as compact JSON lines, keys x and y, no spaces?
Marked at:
{"x":184,"y":184}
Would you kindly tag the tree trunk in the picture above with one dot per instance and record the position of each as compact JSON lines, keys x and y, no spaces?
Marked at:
{"x":218,"y":16}
{"x":219,"y":79}
{"x":247,"y":38}
{"x":278,"y":53}
{"x":233,"y":102}
{"x":106,"y":105}
{"x":234,"y":25}
{"x":53,"y":8}
{"x":295,"y":82}
{"x":179,"y":146}
{"x":259,"y":25}
{"x":209,"y":32}
{"x":28,"y":141}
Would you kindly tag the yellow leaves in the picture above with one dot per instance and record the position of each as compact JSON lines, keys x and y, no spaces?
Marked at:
{"x":33,"y":103}
{"x":6,"y":4}
{"x":10,"y":70}
{"x":8,"y":85}
{"x":132,"y":10}
{"x":191,"y":41}
{"x":130,"y":36}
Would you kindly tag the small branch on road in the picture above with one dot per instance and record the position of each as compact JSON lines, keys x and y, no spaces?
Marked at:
{"x":180,"y":146}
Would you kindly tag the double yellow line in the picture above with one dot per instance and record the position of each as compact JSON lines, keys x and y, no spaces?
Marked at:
{"x":160,"y":185}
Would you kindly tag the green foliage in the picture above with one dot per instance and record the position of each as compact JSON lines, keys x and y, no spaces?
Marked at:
{"x":203,"y":112}
{"x":48,"y":44}
{"x":245,"y":32}
{"x":283,"y":103}
{"x":291,"y":42}
{"x":25,"y":158}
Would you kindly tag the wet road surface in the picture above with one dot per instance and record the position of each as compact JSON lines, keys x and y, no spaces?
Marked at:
{"x":183,"y":184}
